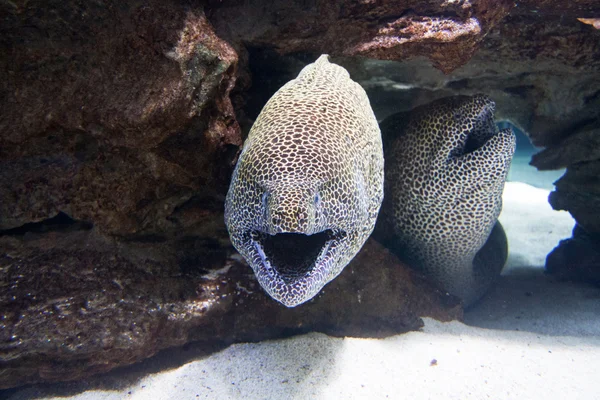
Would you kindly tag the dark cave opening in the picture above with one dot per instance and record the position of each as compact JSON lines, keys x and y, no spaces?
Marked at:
{"x":61,"y":222}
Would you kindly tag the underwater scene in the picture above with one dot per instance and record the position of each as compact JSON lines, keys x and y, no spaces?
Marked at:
{"x":294,"y":199}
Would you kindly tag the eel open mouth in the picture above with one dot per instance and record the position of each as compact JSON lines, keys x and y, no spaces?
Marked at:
{"x":484,"y":129}
{"x":295,"y":255}
{"x":293,"y":265}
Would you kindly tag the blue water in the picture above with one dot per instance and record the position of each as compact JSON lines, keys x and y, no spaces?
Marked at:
{"x":521,"y":171}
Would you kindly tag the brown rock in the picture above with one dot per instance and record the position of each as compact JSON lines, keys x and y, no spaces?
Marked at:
{"x":543,"y":74}
{"x":595,"y":22}
{"x":448,"y":33}
{"x":578,"y":8}
{"x":75,"y":304}
{"x":112,"y":112}
{"x":542,"y":71}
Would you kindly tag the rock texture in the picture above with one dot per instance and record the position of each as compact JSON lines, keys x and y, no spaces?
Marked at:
{"x":580,"y":147}
{"x":75,"y":304}
{"x":115,"y":113}
{"x":543,"y":72}
{"x":448,"y":33}
{"x":116,"y":116}
{"x":568,"y":125}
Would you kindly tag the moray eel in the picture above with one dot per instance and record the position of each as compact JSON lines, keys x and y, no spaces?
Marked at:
{"x":308,"y":185}
{"x":446,"y":165}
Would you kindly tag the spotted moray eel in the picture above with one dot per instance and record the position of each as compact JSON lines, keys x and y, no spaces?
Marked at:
{"x":308,"y":185}
{"x":446,"y":165}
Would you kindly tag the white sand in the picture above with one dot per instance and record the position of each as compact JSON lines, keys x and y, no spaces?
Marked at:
{"x":541,"y":341}
{"x":532,"y":227}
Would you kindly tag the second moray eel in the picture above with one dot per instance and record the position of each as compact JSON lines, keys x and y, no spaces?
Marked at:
{"x":446,"y":165}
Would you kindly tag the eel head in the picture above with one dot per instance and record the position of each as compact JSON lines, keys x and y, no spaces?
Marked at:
{"x":294,"y":236}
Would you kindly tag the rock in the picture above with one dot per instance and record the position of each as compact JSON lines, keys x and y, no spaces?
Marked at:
{"x":447,"y":33}
{"x":578,"y":191}
{"x":595,"y":22}
{"x":575,"y":8}
{"x":551,"y":74}
{"x":581,"y":147}
{"x":115,"y":113}
{"x":76,"y":304}
{"x":543,"y":75}
{"x":577,"y":258}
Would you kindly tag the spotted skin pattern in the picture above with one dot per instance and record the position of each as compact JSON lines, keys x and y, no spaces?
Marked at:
{"x":308,"y":185}
{"x":446,"y":165}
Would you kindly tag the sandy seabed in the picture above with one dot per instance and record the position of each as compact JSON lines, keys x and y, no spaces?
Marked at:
{"x":532,"y":337}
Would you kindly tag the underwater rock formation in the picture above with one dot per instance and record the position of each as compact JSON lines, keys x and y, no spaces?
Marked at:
{"x":114,"y":113}
{"x":447,"y":33}
{"x":445,"y":168}
{"x":578,"y":192}
{"x":75,"y":304}
{"x":580,"y":147}
{"x":307,"y":188}
{"x":543,"y":72}
{"x":116,"y":116}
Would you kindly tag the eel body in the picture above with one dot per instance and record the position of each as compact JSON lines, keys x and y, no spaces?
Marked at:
{"x":308,"y":185}
{"x":446,"y":165}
